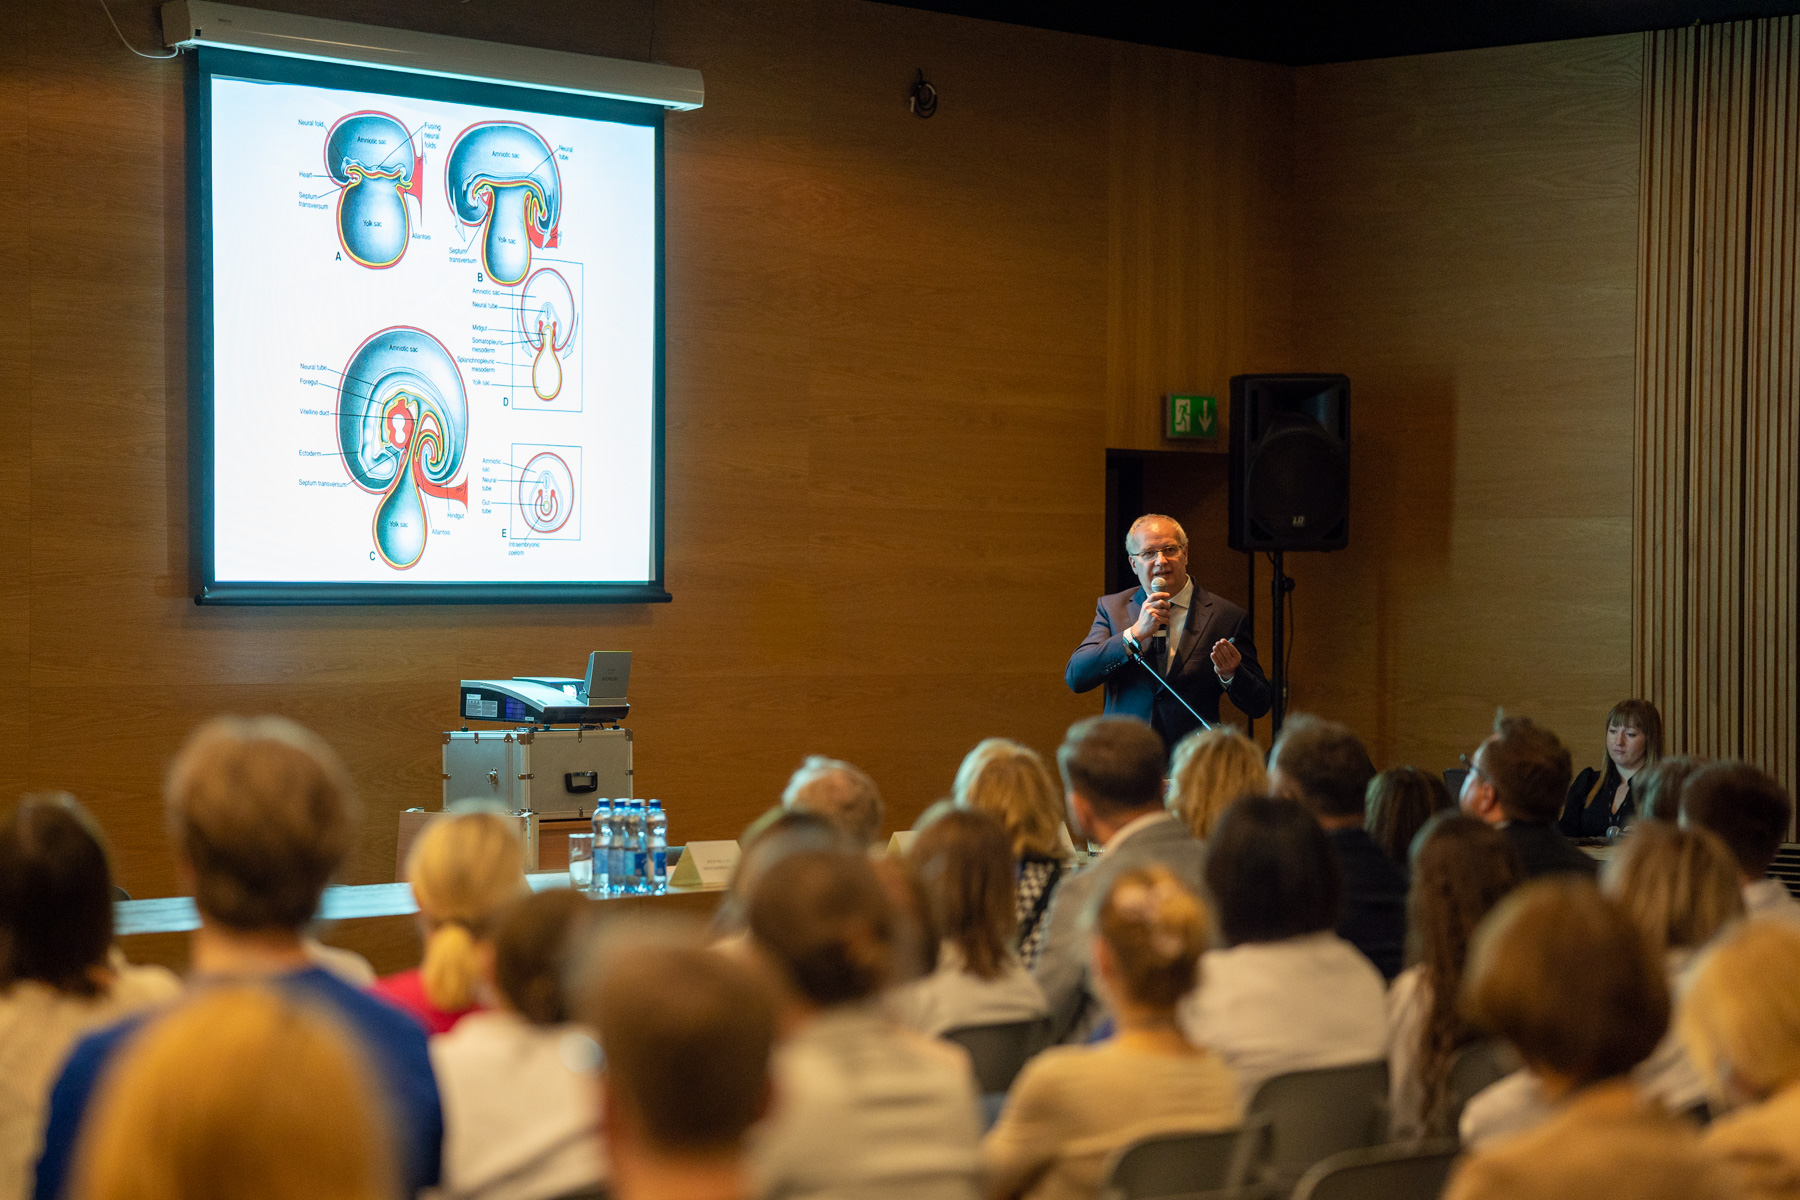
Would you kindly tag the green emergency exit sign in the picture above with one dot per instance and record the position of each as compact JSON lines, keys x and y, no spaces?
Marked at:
{"x":1190,"y":417}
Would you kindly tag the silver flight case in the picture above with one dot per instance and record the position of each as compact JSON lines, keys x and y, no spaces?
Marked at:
{"x":550,"y":772}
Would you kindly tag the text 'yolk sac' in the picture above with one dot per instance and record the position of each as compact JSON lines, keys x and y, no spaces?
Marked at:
{"x":502,"y":177}
{"x":546,"y":317}
{"x":403,"y":427}
{"x":371,"y":157}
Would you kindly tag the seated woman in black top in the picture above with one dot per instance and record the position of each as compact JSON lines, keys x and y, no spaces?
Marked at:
{"x":1603,"y":800}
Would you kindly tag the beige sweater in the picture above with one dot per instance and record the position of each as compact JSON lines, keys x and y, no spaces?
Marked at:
{"x":1761,"y":1146}
{"x":1073,"y":1105}
{"x":1606,"y":1142}
{"x":38,"y":1027}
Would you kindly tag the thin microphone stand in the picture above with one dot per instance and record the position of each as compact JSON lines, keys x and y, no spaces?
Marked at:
{"x":1164,"y":685}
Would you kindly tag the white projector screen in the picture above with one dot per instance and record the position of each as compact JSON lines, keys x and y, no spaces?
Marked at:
{"x":427,"y":338}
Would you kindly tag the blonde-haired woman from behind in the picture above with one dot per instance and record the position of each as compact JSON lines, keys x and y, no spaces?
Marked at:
{"x":240,"y":1091}
{"x":1073,"y":1105}
{"x":1209,"y":770}
{"x":463,"y":869}
{"x":1012,"y":782}
{"x":1740,"y":1022}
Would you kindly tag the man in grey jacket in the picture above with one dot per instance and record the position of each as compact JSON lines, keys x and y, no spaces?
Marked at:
{"x":1112,"y":770}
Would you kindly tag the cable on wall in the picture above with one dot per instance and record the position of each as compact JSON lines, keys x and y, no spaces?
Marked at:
{"x":109,"y":17}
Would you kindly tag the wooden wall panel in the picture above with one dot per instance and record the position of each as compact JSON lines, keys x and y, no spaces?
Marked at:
{"x":1465,"y":251}
{"x":1719,"y":481}
{"x":889,"y":368}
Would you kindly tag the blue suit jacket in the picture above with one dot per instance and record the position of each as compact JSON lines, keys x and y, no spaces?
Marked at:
{"x":1102,"y":659}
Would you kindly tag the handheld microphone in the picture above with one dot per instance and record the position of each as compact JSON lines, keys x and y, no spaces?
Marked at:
{"x":1159,"y":641}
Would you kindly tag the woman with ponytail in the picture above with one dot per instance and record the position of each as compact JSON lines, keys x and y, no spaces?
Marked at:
{"x":1074,"y":1105}
{"x":463,"y":870}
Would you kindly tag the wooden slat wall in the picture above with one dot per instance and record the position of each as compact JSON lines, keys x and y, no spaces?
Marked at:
{"x":1718,"y":472}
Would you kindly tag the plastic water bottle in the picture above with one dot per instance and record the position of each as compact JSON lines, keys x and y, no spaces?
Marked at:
{"x":658,"y":833}
{"x":618,"y":860}
{"x":640,"y":850}
{"x":603,"y":839}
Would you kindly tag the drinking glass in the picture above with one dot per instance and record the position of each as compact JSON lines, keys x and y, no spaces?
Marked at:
{"x":581,"y":860}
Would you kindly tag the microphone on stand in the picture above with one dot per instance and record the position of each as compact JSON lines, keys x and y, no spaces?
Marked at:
{"x":1159,"y":641}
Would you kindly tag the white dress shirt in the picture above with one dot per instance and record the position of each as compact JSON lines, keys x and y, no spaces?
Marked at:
{"x":1179,"y":604}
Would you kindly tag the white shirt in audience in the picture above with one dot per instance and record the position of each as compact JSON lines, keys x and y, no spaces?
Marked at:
{"x":952,"y":996}
{"x":38,"y":1027}
{"x":1770,"y":898}
{"x":1268,"y":1008}
{"x":1508,"y":1106}
{"x":1408,"y":1003}
{"x":865,"y":1109}
{"x":521,"y":1106}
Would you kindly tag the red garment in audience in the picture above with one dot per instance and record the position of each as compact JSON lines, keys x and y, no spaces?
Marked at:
{"x":406,"y":990}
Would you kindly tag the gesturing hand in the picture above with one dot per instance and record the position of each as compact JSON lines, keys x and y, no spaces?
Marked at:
{"x":1225,"y":658}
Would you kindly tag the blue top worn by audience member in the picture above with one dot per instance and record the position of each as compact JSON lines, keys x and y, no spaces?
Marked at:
{"x":1324,"y":766}
{"x":397,"y":1048}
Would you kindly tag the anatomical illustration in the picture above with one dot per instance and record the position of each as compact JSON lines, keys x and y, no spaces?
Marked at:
{"x":371,"y":157}
{"x":403,"y":425}
{"x":547,"y":319}
{"x":502,"y":177}
{"x":546,"y":490}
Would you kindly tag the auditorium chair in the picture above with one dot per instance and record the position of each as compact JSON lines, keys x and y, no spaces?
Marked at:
{"x":998,"y":1052}
{"x":1315,"y":1114}
{"x":1474,"y":1067}
{"x":1172,"y":1164}
{"x":1412,"y":1172}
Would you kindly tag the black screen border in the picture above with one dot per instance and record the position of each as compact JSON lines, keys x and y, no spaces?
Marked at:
{"x":206,"y":63}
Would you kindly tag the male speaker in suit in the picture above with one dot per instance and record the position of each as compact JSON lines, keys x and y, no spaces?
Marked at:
{"x":1112,"y":770}
{"x":1198,"y":642}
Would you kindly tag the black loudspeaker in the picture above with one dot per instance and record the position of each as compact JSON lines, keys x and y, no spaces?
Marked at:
{"x":1290,"y":462}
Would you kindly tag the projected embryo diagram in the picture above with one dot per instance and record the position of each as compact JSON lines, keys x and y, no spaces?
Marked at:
{"x":371,"y":158}
{"x":501,"y":177}
{"x":403,"y":424}
{"x":546,"y":490}
{"x":547,"y":319}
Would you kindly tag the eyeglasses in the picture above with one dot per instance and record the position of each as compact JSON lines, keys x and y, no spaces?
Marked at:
{"x":1156,"y":552}
{"x":1469,"y":765}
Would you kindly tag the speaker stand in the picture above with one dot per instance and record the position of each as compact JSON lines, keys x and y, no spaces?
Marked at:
{"x":1280,"y":587}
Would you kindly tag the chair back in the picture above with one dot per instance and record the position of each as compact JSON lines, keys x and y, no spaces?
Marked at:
{"x":1474,"y":1067}
{"x":999,"y":1051}
{"x":1315,"y":1114}
{"x":1382,"y":1173}
{"x":1170,"y":1164}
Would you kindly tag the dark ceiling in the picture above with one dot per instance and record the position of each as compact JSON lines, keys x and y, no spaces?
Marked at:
{"x":1303,"y":32}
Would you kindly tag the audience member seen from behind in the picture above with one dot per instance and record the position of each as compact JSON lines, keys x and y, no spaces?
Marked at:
{"x":1461,"y":868}
{"x":1323,"y":765}
{"x":1285,"y":993}
{"x":1210,"y":770}
{"x":463,"y":869}
{"x":239,"y":1091}
{"x":1398,"y":803}
{"x":771,"y":837}
{"x":1750,"y":813}
{"x":1740,"y":1022}
{"x":1659,"y":785}
{"x":841,"y":793}
{"x":1600,"y":803}
{"x":260,"y":813}
{"x":517,"y":1078}
{"x":1680,"y":886}
{"x":1112,"y":770}
{"x":1517,"y":780}
{"x":686,"y":1036}
{"x":1564,"y":975}
{"x":866,"y":1107}
{"x":60,"y":974}
{"x":1072,"y":1106}
{"x":1011,"y":782}
{"x":963,"y":861}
